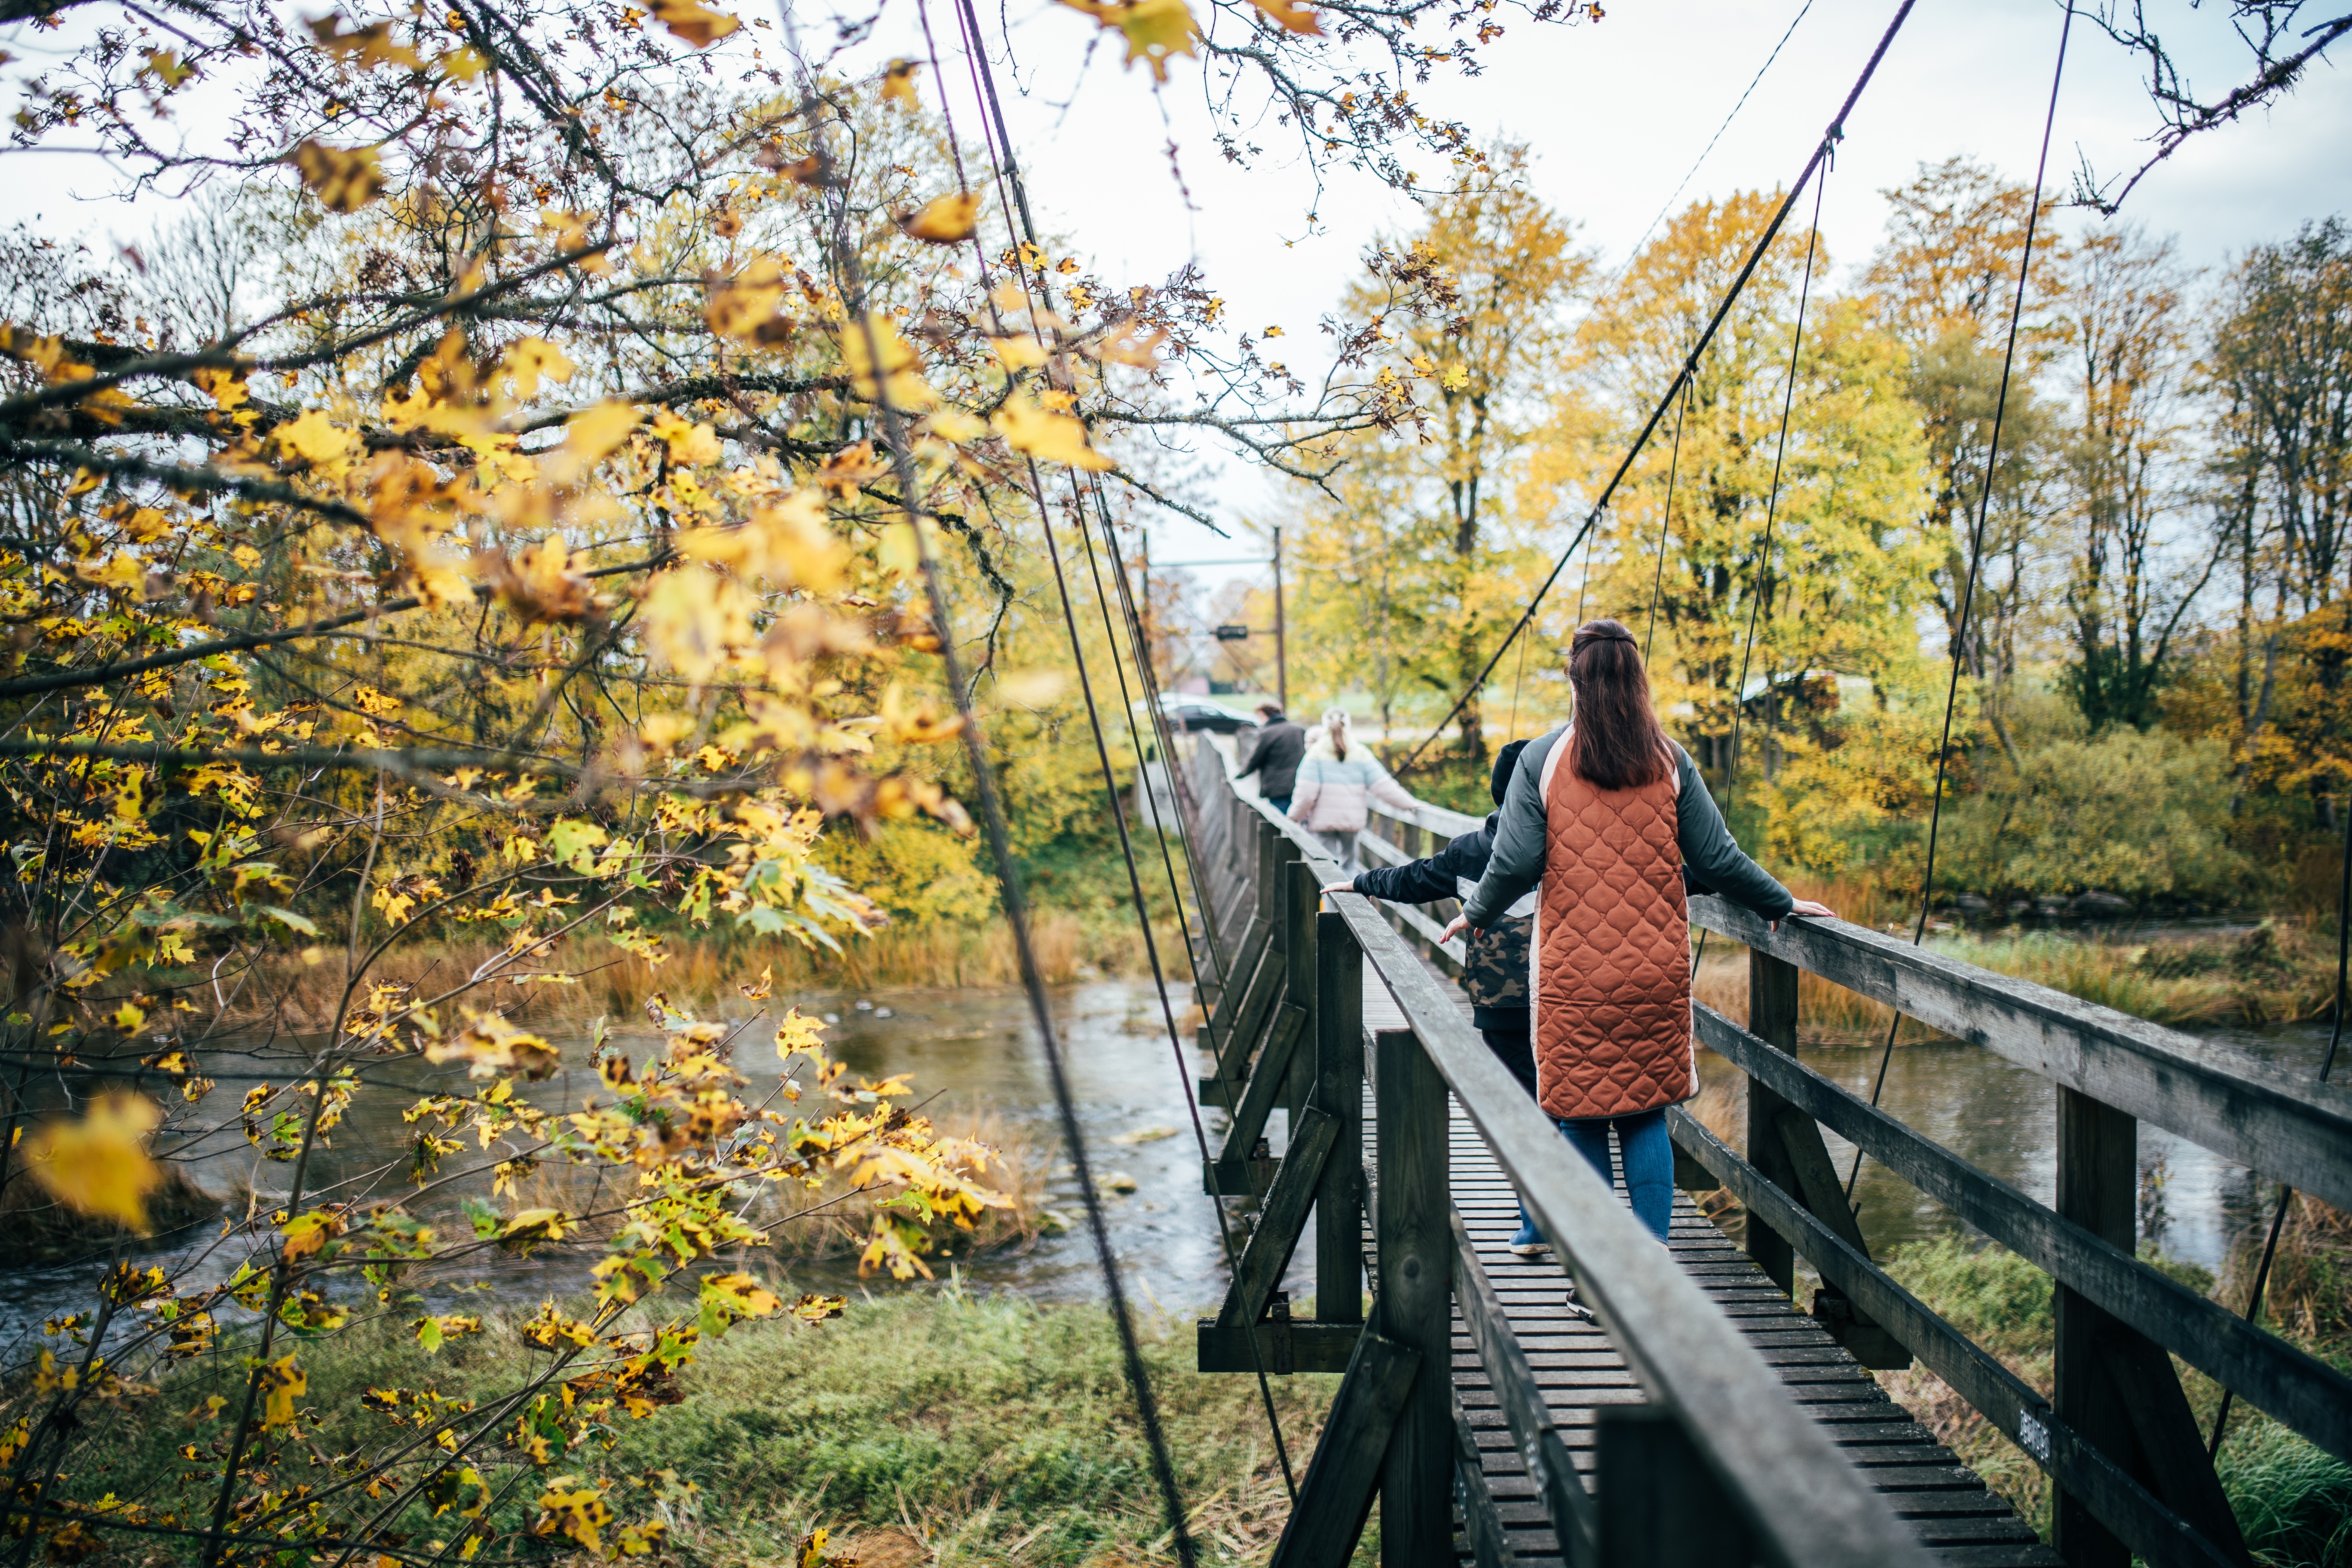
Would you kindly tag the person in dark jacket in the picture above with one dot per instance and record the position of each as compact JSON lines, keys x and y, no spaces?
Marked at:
{"x":1495,"y":970}
{"x":1281,"y":745}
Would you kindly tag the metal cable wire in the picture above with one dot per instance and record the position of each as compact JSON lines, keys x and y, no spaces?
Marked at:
{"x":1829,"y":138}
{"x":1017,"y":910}
{"x":1005,"y":162}
{"x":1666,"y":523}
{"x":1753,"y":84}
{"x":1976,"y":548}
{"x":1771,"y":510}
{"x":1762,"y":587}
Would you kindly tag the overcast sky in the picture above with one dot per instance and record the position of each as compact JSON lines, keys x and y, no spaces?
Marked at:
{"x":1616,"y":112}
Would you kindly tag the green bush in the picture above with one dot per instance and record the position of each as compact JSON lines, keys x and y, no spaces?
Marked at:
{"x":2142,"y":816}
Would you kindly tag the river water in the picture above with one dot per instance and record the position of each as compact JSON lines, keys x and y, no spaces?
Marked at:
{"x":975,"y":1056}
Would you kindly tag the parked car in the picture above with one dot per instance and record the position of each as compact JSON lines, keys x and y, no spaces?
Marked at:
{"x":1192,"y":713}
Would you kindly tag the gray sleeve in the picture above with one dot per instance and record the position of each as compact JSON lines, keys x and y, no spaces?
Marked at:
{"x":1709,"y":849}
{"x":1518,"y":862}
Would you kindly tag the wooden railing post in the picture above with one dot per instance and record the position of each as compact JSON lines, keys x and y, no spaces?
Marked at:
{"x":2116,"y":1387}
{"x":1414,"y":1237}
{"x":1772,"y":1017}
{"x":1339,"y":1091}
{"x":1658,"y":1506}
{"x":1301,"y":893}
{"x":2098,"y":1179}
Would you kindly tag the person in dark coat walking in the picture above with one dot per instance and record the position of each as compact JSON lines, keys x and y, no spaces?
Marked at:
{"x":1281,"y":745}
{"x":1494,"y":975}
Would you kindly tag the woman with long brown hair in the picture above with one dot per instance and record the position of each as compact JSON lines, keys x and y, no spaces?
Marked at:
{"x":1599,"y":820}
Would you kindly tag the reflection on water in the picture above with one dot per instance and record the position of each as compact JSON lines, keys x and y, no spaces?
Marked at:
{"x":972,"y":1056}
{"x":979,"y":1049}
{"x":976,"y":1056}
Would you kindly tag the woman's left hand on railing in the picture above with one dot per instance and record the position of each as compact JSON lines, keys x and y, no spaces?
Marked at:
{"x":1346,"y":887}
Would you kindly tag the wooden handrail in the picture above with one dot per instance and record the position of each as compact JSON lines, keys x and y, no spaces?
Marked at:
{"x":2293,"y":1129}
{"x":2299,"y":1390}
{"x":1801,"y":1498}
{"x":2111,"y":1070}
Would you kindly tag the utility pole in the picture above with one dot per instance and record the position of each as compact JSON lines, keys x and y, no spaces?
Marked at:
{"x":1281,"y":655}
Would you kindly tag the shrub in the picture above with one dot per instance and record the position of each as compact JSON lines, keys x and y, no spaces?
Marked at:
{"x":2143,"y":815}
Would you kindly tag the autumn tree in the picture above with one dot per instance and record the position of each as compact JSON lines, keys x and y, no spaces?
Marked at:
{"x":2125,"y":324}
{"x":1472,"y":311}
{"x":1943,"y":283}
{"x":517,"y":505}
{"x":2280,"y":367}
{"x":1847,"y":563}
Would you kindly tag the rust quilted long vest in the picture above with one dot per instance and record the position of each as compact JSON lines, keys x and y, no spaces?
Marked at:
{"x":1611,"y":953}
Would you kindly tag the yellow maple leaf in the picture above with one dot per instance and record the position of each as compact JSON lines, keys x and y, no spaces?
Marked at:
{"x":694,"y":24}
{"x":575,"y":1510}
{"x":741,"y":1294}
{"x":345,"y":178}
{"x":695,"y":621}
{"x":945,"y":220}
{"x":1041,"y":433}
{"x":745,"y":306}
{"x":1018,"y":352}
{"x":99,"y":1165}
{"x":689,"y":443}
{"x":900,"y":364}
{"x":1296,"y":18}
{"x":370,"y":45}
{"x":798,"y":1034}
{"x":282,"y":1384}
{"x":954,"y":424}
{"x":898,"y":83}
{"x":227,"y":387}
{"x":798,"y":542}
{"x":588,"y":437}
{"x":315,"y":439}
{"x":1155,"y":29}
{"x":532,"y":359}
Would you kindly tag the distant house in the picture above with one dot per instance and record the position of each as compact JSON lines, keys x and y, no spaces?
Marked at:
{"x":1808,"y":694}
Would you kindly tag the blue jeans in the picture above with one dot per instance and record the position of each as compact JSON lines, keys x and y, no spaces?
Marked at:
{"x":1280,"y":803}
{"x":1648,"y":1153}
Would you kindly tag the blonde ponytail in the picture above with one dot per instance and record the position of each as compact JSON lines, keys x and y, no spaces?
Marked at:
{"x":1335,"y":725}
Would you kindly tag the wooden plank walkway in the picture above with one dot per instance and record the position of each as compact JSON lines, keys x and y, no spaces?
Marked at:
{"x":1579,"y":1369}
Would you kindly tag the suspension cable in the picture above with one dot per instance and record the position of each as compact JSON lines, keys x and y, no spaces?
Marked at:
{"x":1829,"y":138}
{"x":1762,"y":587}
{"x":1001,"y":150}
{"x":1666,"y":523}
{"x":1009,"y":884}
{"x":1772,"y":510}
{"x":1753,"y":84}
{"x":1976,"y":547}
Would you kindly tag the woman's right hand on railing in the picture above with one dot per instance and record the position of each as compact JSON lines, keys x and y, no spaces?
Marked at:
{"x":1807,"y":907}
{"x":1346,"y":887}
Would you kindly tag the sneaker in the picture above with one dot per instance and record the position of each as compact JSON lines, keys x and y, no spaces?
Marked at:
{"x":1576,"y":1307}
{"x":1529,"y":1242}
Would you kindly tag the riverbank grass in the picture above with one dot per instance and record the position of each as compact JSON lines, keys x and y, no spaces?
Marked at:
{"x":933,"y":1427}
{"x":2291,"y":1498}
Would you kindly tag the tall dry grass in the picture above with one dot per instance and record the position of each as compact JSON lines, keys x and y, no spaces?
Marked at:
{"x":702,"y":972}
{"x":2281,"y":972}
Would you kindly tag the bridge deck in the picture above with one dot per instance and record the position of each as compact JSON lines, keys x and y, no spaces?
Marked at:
{"x":1579,"y":1370}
